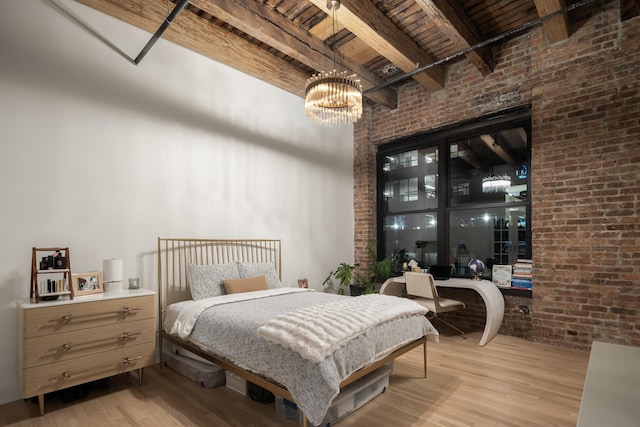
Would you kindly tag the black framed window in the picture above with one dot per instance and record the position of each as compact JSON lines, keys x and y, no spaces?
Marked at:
{"x":473,"y":202}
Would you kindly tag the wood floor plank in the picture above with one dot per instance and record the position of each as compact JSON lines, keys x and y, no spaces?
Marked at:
{"x":510,"y":382}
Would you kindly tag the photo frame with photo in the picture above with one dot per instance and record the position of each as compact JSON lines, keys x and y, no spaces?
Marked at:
{"x":501,"y":275}
{"x":87,"y":283}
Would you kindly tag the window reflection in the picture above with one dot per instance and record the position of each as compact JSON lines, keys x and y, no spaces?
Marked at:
{"x":493,"y":235}
{"x":489,"y":167}
{"x":415,"y":233}
{"x":411,"y":180}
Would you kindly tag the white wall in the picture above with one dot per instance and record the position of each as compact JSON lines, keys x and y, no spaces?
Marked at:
{"x":103,"y":156}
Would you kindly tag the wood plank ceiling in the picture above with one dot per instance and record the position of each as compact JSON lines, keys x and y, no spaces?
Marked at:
{"x":284,"y":41}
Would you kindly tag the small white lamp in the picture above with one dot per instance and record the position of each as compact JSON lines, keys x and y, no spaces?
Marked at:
{"x":112,"y":273}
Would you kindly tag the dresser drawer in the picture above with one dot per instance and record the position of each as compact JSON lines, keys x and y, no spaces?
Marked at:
{"x":60,"y":347}
{"x":55,"y":376}
{"x":72,"y":317}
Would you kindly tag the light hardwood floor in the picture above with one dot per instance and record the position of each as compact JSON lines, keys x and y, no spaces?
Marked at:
{"x":509,"y":382}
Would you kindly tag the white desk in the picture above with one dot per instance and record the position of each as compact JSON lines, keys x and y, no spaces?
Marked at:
{"x":611,"y":395}
{"x":491,"y":295}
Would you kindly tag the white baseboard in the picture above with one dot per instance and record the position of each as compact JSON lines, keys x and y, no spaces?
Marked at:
{"x":9,"y":393}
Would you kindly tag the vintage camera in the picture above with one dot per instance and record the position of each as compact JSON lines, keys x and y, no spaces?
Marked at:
{"x":59,"y":262}
{"x":47,"y":262}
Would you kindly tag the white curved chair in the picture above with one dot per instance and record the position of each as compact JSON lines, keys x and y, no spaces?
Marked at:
{"x":422,"y":289}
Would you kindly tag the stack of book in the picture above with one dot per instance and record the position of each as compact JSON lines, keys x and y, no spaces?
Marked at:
{"x":521,"y":277}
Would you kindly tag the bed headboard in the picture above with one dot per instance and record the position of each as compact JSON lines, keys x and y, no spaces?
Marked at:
{"x":175,"y":254}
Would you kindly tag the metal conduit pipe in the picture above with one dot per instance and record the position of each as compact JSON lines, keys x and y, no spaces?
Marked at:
{"x":175,"y":12}
{"x":480,"y":44}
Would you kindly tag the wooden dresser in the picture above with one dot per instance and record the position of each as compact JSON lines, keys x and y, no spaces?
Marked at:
{"x":71,"y":342}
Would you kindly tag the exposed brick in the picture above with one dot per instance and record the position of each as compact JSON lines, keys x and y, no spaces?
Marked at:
{"x":585,"y":99}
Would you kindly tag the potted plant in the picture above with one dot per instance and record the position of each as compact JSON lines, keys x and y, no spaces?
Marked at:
{"x":361,"y":280}
{"x":344,"y":274}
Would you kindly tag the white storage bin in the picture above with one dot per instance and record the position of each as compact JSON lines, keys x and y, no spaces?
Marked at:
{"x":286,"y":409}
{"x":357,"y":394}
{"x":204,"y":373}
{"x":236,"y":383}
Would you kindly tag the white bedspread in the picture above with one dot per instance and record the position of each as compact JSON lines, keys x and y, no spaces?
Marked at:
{"x":229,"y":331}
{"x":181,"y":317}
{"x":315,"y":332}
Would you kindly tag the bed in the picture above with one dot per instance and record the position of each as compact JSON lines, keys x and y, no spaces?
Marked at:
{"x":272,"y":337}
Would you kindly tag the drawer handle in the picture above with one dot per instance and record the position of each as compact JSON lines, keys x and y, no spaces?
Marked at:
{"x":129,"y":360}
{"x":128,"y":335}
{"x":65,"y":347}
{"x":128,"y":310}
{"x":66,"y":375}
{"x":66,"y":318}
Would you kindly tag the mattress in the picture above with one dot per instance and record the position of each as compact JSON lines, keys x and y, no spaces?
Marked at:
{"x":229,"y":330}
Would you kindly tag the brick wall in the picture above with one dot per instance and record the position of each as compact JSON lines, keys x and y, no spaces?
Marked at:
{"x":585,"y":98}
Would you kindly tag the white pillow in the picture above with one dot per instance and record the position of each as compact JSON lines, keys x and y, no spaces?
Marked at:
{"x":266,"y":269}
{"x":205,"y":281}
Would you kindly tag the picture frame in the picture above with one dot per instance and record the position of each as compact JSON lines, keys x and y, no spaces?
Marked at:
{"x":87,"y":283}
{"x":501,"y":275}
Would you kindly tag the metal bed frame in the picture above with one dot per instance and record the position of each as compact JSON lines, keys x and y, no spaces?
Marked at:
{"x":175,"y":254}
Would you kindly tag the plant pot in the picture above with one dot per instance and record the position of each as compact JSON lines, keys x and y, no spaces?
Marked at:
{"x":355,"y":291}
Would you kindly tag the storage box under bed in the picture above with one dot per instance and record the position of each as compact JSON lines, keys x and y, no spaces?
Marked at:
{"x":204,"y":373}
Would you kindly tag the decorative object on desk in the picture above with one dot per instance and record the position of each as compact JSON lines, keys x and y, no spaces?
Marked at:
{"x":398,"y":258}
{"x":501,"y":276}
{"x":112,"y":272}
{"x":87,"y":283}
{"x":476,"y":267}
{"x":303,"y":283}
{"x":134,"y":283}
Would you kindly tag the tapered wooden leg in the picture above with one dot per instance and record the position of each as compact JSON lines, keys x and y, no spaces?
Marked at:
{"x":140,"y":376}
{"x":41,"y":404}
{"x":424,"y":348}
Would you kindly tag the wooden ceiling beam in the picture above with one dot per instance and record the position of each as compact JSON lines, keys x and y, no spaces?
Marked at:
{"x":497,"y":148}
{"x":355,"y":49}
{"x":324,"y":29}
{"x":270,"y":27}
{"x":452,"y":20}
{"x":358,"y":51}
{"x":629,"y":9}
{"x":376,"y":29}
{"x":196,"y":34}
{"x":556,"y":28}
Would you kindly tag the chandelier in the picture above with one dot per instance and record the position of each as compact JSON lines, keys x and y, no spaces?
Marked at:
{"x":333,"y":98}
{"x":495,"y":183}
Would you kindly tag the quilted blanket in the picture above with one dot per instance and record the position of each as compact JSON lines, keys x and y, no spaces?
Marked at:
{"x":229,"y":331}
{"x":316,"y":332}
